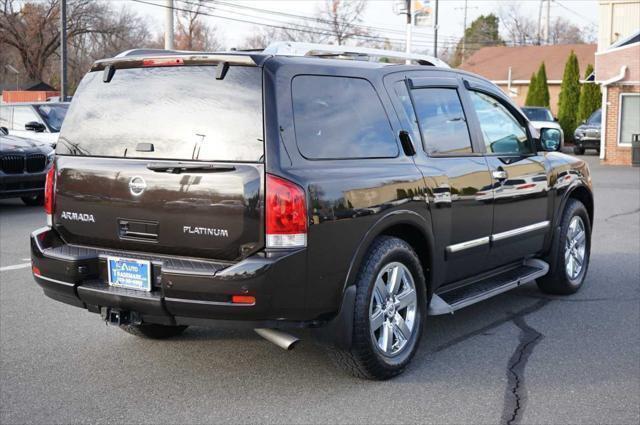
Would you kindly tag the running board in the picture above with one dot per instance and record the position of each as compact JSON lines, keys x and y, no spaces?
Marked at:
{"x":454,"y":299}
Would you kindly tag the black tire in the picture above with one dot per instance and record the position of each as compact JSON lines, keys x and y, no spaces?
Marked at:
{"x":365,"y":359}
{"x":577,"y":150}
{"x":559,"y":281}
{"x":33,"y":200}
{"x":153,"y":331}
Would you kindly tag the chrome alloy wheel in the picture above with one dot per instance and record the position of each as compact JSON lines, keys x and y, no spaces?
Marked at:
{"x":575,"y":248}
{"x":393,"y":309}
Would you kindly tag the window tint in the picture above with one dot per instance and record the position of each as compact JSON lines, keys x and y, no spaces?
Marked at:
{"x":338,"y":118}
{"x":184,"y":111}
{"x":23,"y":115}
{"x":502,"y":132}
{"x":538,"y":114}
{"x":442,"y":121}
{"x":402,"y":92}
{"x":595,"y":118}
{"x":53,"y":115}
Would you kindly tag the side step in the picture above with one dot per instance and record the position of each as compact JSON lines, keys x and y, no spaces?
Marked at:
{"x":454,"y":299}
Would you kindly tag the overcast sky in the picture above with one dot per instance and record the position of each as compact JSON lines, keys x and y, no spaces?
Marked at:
{"x":379,"y":13}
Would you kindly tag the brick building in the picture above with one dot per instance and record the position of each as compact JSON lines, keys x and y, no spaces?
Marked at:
{"x":618,"y":72}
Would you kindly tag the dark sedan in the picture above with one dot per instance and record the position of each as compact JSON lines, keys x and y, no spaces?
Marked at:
{"x":23,"y":167}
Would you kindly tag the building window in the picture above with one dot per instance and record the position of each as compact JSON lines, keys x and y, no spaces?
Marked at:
{"x":628,"y":123}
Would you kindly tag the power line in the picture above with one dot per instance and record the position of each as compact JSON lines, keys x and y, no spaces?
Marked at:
{"x":575,"y":13}
{"x":300,"y":29}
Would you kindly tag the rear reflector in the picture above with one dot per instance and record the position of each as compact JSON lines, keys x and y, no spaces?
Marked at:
{"x":243,"y":299}
{"x":35,"y":270}
{"x":163,"y":62}
{"x":286,"y":214}
{"x":49,"y":190}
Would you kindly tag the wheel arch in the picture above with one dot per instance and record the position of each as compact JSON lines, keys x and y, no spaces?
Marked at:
{"x":406,"y":225}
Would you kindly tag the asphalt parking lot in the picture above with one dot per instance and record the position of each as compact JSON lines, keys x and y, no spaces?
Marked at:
{"x":521,"y":357}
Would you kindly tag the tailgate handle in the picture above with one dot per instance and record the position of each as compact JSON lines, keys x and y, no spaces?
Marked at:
{"x":177,"y":168}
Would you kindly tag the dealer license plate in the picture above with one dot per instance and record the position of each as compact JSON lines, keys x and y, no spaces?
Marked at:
{"x":129,"y":273}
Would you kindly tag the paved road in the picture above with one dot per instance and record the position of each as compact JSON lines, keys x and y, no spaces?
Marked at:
{"x":542,"y":359}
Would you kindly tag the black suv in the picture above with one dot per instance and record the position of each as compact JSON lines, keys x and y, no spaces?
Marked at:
{"x":278,"y":191}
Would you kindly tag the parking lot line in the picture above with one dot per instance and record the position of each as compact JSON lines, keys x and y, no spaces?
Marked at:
{"x":15,"y":267}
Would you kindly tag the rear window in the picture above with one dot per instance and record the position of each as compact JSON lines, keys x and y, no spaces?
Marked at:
{"x":340,"y":118}
{"x":184,"y":112}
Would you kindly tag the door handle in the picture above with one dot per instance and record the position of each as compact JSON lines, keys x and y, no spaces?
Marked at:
{"x":499,"y":174}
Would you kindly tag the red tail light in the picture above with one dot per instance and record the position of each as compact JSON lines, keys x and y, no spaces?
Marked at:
{"x":286,"y":214}
{"x":49,"y":187}
{"x":163,"y":62}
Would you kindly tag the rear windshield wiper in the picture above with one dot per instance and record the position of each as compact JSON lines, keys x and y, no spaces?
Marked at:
{"x":179,"y":167}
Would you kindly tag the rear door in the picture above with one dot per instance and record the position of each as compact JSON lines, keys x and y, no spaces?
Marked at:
{"x":456,"y":175}
{"x":167,"y":160}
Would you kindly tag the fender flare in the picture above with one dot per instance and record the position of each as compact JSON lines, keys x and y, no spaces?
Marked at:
{"x":558,"y":212}
{"x":338,"y":332}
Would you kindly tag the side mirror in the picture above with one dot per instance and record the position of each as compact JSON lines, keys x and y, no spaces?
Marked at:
{"x":555,"y":119}
{"x":550,"y":139}
{"x":4,"y":131}
{"x":38,"y":127}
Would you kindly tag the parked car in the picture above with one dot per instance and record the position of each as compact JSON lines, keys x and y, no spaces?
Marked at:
{"x":543,"y":118}
{"x":352,"y":191}
{"x":587,"y":135}
{"x":37,"y":121}
{"x":23,"y":166}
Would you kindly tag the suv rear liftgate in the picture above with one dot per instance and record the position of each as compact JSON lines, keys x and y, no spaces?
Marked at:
{"x":162,"y":161}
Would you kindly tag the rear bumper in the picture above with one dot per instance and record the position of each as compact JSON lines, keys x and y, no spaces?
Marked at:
{"x":186,"y":291}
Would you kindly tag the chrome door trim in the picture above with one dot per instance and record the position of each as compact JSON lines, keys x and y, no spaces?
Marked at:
{"x":519,"y":231}
{"x":468,"y":244}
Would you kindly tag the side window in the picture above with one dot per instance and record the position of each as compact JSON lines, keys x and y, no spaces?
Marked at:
{"x":442,"y":121}
{"x":23,"y":115}
{"x":400,"y":87}
{"x":5,"y":116}
{"x":340,"y":118}
{"x":501,"y":130}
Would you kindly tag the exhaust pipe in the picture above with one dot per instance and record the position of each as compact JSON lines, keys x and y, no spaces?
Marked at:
{"x":281,"y":339}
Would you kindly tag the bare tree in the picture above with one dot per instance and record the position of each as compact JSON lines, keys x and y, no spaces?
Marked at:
{"x":194,"y":34}
{"x":335,"y":21}
{"x":562,"y":31}
{"x":33,"y":30}
{"x":342,"y":18}
{"x":519,"y":28}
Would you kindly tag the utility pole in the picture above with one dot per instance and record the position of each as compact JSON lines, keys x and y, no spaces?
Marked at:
{"x":464,"y":30}
{"x":63,"y":50}
{"x":409,"y":25}
{"x":540,"y":22}
{"x":168,"y":25}
{"x":547,"y":23}
{"x":435,"y":31}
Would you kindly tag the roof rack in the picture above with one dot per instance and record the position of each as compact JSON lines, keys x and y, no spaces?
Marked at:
{"x":290,"y":48}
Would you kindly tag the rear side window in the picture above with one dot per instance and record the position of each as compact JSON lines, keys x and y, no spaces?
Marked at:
{"x":340,"y":118}
{"x":183,"y":111}
{"x":442,"y":121}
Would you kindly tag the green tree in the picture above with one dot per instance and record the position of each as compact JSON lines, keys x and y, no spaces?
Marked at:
{"x":590,"y":97}
{"x":543,"y":87}
{"x":532,"y":93}
{"x":483,"y":32}
{"x":569,"y":96}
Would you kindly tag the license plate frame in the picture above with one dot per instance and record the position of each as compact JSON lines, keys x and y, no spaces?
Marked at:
{"x":129,"y":273}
